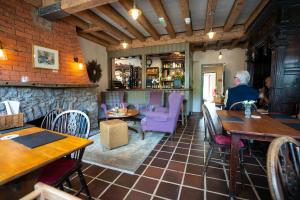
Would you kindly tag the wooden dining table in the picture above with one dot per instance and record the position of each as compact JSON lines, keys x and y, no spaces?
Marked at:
{"x":20,"y":165}
{"x":261,"y":129}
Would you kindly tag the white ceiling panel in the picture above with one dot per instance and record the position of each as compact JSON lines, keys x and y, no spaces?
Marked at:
{"x":247,"y":10}
{"x":106,"y":18}
{"x":222,"y":12}
{"x":198,"y":13}
{"x":150,"y":14}
{"x":173,"y":10}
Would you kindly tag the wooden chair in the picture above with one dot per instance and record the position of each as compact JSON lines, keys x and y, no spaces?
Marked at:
{"x":49,"y":118}
{"x":218,"y":141}
{"x":46,"y":192}
{"x":76,"y":123}
{"x":283,"y":168}
{"x":240,"y":106}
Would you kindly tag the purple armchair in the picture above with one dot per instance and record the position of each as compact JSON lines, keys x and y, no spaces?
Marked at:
{"x":164,"y":121}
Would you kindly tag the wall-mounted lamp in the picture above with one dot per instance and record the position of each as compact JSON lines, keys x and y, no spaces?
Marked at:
{"x":3,"y":55}
{"x":80,"y":65}
{"x":220,"y":55}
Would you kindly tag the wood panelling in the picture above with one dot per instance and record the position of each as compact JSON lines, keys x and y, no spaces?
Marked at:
{"x":256,"y":12}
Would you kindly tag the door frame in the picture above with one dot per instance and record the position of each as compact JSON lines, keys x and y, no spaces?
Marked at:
{"x":202,"y":77}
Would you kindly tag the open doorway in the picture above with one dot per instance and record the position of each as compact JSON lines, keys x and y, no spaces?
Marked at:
{"x":213,"y":82}
{"x":209,"y":86}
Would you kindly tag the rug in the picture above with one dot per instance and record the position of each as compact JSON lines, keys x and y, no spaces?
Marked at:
{"x":126,"y":158}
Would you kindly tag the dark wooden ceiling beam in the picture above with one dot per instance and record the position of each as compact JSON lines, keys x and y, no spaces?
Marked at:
{"x":74,"y":6}
{"x":120,"y":20}
{"x":185,"y":12}
{"x":216,"y":48}
{"x":143,"y":21}
{"x":93,"y":38}
{"x":83,"y":25}
{"x":256,"y":12}
{"x":234,"y":13}
{"x":160,"y":12}
{"x":210,"y":12}
{"x":100,"y":24}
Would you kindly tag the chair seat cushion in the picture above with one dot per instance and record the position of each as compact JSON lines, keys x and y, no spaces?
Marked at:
{"x":226,"y":140}
{"x":54,"y":171}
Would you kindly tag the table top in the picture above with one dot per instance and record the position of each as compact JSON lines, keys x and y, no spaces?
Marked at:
{"x":18,"y":160}
{"x":265,"y":126}
{"x":129,"y":113}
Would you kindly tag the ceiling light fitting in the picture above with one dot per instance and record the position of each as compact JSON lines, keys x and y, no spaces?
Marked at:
{"x":187,"y":20}
{"x":211,"y":34}
{"x":162,"y":21}
{"x":124,"y":45}
{"x":134,"y":12}
{"x":220,"y":55}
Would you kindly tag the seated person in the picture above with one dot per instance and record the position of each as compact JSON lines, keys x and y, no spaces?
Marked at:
{"x":264,"y":94}
{"x":241,"y":91}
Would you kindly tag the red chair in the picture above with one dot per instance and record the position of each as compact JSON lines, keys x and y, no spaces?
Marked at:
{"x":75,"y":123}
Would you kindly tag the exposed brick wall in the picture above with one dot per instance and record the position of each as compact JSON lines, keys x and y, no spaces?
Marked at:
{"x":19,"y":32}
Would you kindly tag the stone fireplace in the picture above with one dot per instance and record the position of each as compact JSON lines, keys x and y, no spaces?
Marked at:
{"x":37,"y":100}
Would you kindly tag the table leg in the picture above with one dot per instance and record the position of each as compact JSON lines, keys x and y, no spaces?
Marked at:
{"x":234,"y":156}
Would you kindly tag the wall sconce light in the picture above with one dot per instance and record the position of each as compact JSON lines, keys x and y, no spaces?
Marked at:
{"x":3,"y":55}
{"x":220,"y":55}
{"x":80,"y":65}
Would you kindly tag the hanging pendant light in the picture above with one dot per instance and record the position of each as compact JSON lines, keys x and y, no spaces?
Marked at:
{"x":124,"y":44}
{"x":211,"y":34}
{"x":134,"y":12}
{"x":220,"y":55}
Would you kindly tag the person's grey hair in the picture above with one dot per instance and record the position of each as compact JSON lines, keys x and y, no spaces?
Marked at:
{"x":244,"y":76}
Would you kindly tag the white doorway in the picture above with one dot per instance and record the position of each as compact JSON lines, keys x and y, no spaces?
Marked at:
{"x":209,"y":86}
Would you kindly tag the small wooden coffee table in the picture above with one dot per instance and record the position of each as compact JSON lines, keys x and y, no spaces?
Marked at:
{"x":125,"y":115}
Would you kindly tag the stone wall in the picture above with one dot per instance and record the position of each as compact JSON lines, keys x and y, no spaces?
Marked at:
{"x":37,"y":102}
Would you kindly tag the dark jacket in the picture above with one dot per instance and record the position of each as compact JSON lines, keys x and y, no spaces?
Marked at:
{"x":240,"y":93}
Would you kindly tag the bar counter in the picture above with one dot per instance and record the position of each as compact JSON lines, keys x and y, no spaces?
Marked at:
{"x":152,"y":89}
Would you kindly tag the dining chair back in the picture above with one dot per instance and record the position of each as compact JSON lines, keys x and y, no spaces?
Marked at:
{"x":75,"y":123}
{"x":238,"y":106}
{"x":49,"y":118}
{"x":218,"y":141}
{"x":43,"y":191}
{"x":283,"y":168}
{"x":72,"y":122}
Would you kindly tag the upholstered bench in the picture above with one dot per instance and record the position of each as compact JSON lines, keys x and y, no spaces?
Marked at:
{"x":113,"y":133}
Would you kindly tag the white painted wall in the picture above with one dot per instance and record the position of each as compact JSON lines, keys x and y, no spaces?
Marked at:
{"x":234,"y":61}
{"x":93,"y":51}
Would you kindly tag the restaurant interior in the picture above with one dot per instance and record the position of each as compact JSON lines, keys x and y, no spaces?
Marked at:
{"x":149,"y":99}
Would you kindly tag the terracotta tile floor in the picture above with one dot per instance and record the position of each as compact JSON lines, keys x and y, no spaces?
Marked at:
{"x":173,"y":170}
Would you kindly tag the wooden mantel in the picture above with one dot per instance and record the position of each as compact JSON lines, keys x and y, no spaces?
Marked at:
{"x":43,"y":85}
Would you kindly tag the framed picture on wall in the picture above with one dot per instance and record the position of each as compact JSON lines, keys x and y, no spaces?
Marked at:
{"x":45,"y":58}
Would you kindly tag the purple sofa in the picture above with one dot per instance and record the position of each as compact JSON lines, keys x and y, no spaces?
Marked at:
{"x":164,"y":121}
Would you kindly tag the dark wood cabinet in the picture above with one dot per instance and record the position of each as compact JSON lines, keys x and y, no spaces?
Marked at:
{"x":274,"y":49}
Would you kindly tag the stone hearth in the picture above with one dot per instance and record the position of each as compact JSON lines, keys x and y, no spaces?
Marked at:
{"x":36,"y":102}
